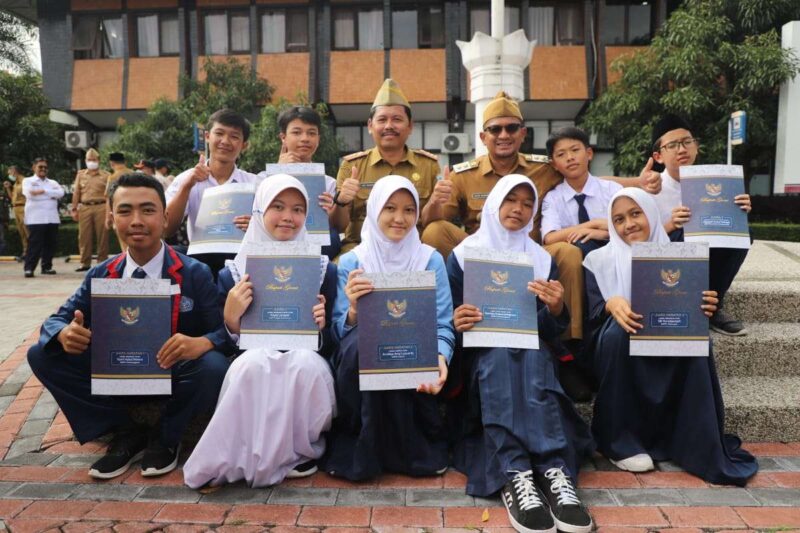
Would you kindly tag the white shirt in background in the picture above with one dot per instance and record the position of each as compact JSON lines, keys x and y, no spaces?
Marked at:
{"x":41,"y":208}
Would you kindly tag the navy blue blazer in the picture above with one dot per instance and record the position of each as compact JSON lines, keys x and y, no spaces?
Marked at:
{"x":195,"y":311}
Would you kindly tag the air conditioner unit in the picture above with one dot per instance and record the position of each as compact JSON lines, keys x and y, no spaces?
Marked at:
{"x":76,"y":139}
{"x":456,"y":143}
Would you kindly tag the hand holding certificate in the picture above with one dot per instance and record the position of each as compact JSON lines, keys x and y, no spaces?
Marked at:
{"x":312,"y":176}
{"x":131,"y":321}
{"x":667,"y":285}
{"x":709,"y":191}
{"x":214,"y":229}
{"x":397,"y":340}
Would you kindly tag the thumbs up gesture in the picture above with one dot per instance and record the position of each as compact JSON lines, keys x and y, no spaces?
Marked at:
{"x":443,"y":189}
{"x":75,"y":338}
{"x":649,"y":179}
{"x":350,"y":187}
{"x":201,"y":171}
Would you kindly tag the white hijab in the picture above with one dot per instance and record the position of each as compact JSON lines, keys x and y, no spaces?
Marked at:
{"x":257,"y":232}
{"x":377,"y":252}
{"x":492,"y":234}
{"x":611,"y":264}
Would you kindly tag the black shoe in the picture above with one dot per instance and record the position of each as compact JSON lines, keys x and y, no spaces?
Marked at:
{"x":18,"y":259}
{"x":568,"y":512}
{"x":303,"y":470}
{"x":125,"y":448}
{"x":527,"y":508}
{"x":82,"y":268}
{"x":159,"y":459}
{"x":48,"y":272}
{"x":722,"y":322}
{"x":28,"y":274}
{"x":574,"y":382}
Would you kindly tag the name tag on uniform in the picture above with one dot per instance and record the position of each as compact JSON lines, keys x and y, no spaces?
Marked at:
{"x":367,"y":185}
{"x":480,"y":195}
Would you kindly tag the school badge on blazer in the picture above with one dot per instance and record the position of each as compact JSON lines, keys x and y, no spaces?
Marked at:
{"x":187,"y":304}
{"x":130,"y":315}
{"x":713,"y":189}
{"x":499,"y":277}
{"x":397,"y":308}
{"x":670,"y":278}
{"x":282,"y":274}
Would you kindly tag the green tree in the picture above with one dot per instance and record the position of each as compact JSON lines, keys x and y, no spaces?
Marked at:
{"x":13,"y":35}
{"x":712,"y":57}
{"x":265,"y":145}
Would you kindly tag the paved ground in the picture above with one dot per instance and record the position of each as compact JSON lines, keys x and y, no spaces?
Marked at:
{"x":44,"y":485}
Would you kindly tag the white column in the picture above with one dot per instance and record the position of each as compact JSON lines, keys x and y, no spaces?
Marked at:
{"x":787,"y":155}
{"x":498,"y":18}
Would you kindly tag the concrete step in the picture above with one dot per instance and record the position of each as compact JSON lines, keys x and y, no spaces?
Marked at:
{"x":770,"y":349}
{"x":762,"y":408}
{"x":765,"y":301}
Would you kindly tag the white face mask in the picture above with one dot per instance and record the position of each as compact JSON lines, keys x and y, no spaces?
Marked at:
{"x":12,"y":177}
{"x":92,"y":165}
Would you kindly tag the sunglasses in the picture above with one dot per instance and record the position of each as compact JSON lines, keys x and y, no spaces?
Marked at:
{"x":511,"y":129}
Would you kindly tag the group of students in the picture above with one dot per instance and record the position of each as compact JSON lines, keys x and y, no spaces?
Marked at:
{"x":498,"y":415}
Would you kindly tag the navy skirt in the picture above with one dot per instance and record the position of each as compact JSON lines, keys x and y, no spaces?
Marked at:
{"x":516,"y":418}
{"x":387,"y":431}
{"x":668,"y":407}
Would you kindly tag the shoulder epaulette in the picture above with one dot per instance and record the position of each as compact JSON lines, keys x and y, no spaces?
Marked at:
{"x":426,"y":154}
{"x":466,"y":165}
{"x":537,"y":158}
{"x":356,"y":155}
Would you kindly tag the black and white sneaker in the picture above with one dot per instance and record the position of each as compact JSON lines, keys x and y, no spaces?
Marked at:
{"x":303,"y":470}
{"x":722,"y":322}
{"x":527,"y":508}
{"x":568,"y":512}
{"x":159,"y":459}
{"x":125,"y":448}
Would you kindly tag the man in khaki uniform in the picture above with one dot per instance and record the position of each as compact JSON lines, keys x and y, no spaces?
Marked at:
{"x":17,"y":199}
{"x":116,"y":161}
{"x":390,"y":125}
{"x":89,"y":209}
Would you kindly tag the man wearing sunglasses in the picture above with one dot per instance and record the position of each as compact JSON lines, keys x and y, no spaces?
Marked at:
{"x":41,"y":218}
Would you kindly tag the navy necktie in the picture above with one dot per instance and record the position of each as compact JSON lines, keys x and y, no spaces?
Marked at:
{"x":583,"y":215}
{"x":139,"y":273}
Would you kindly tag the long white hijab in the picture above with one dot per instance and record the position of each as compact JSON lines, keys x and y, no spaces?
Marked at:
{"x":611,"y":264}
{"x":492,"y":234}
{"x":377,"y":252}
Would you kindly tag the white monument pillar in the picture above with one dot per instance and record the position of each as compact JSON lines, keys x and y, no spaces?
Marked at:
{"x":495,"y":63}
{"x":787,"y":155}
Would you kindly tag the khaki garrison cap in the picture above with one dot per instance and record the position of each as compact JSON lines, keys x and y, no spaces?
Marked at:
{"x":501,"y":106}
{"x":390,"y":94}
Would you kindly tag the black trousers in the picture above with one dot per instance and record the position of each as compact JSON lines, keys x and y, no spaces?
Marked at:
{"x":42,"y":243}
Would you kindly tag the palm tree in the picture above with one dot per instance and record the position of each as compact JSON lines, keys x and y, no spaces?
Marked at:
{"x":13,"y":35}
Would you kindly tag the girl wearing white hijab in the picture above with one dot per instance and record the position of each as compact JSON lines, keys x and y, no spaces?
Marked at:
{"x":274,"y":406}
{"x":652,"y":408}
{"x":522,"y":433}
{"x":397,"y":431}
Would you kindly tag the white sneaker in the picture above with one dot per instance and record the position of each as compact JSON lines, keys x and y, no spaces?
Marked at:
{"x":638,"y":463}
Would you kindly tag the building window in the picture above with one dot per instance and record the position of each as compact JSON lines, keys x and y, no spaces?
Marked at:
{"x":480,"y":19}
{"x":157,"y":35}
{"x":418,"y":27}
{"x":97,"y":37}
{"x":284,"y":30}
{"x":226,"y":32}
{"x":555,"y":23}
{"x":626,"y":22}
{"x":358,"y":29}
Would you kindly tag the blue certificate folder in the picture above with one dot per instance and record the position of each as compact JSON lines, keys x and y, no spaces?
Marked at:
{"x":667,"y":282}
{"x":497,"y":284}
{"x":397,"y":338}
{"x":286,"y":281}
{"x":709,"y":190}
{"x":214,"y":231}
{"x":131,"y":321}
{"x":312,"y":176}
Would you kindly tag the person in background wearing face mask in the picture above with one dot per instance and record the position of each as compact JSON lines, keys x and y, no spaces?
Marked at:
{"x":41,"y":217}
{"x":89,"y":210}
{"x":13,"y":188}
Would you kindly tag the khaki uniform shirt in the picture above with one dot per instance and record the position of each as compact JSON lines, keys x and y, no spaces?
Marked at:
{"x":17,"y":198}
{"x":90,"y":188}
{"x":114,"y":176}
{"x":474,"y":180}
{"x":419,"y":166}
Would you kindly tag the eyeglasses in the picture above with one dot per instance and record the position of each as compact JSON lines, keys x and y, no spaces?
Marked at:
{"x":674,"y":145}
{"x":511,"y":129}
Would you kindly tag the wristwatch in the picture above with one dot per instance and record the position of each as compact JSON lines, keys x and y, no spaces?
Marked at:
{"x":337,"y":202}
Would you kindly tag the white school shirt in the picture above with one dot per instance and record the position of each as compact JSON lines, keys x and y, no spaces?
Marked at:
{"x":41,"y":208}
{"x":152,"y":268}
{"x":560,"y":209}
{"x":196,"y":194}
{"x":669,"y":197}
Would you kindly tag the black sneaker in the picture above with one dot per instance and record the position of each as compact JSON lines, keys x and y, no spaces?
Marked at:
{"x":568,"y":511}
{"x":722,"y":322}
{"x":125,"y":448}
{"x":159,"y":459}
{"x":574,"y":382}
{"x":49,"y":272}
{"x":527,"y":508}
{"x":82,"y":268}
{"x":303,"y":470}
{"x":28,"y":274}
